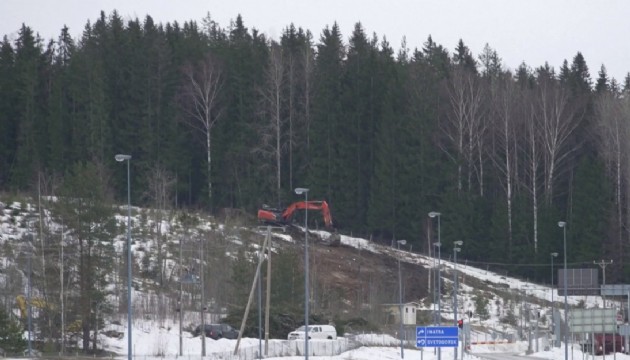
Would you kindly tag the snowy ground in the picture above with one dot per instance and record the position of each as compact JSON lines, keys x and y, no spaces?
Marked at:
{"x":164,"y":343}
{"x":152,"y":341}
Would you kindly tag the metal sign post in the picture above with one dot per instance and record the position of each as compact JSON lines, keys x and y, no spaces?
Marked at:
{"x":437,"y":336}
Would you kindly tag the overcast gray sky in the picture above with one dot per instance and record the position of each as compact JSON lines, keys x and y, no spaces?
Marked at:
{"x":533,"y":31}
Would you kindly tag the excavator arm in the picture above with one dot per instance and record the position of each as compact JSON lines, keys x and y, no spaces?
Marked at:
{"x":287,"y":214}
{"x":270,"y":215}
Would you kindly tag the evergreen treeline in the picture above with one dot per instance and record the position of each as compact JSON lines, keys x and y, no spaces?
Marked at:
{"x":231,"y":119}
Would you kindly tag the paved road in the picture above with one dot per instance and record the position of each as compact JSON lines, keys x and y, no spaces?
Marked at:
{"x":505,"y":356}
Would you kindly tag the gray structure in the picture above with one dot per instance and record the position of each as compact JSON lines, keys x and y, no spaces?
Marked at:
{"x":579,"y":282}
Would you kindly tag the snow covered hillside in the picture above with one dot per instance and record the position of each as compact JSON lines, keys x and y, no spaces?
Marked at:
{"x":497,"y":308}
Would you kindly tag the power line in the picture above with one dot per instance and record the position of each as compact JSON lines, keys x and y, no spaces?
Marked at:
{"x":519,"y":265}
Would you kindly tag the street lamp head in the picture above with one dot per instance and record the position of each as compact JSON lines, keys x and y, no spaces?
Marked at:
{"x":458,"y":243}
{"x":562,"y":224}
{"x":401,"y":242}
{"x":554,"y":254}
{"x":438,"y":244}
{"x":301,"y":191}
{"x":433,"y":214}
{"x":122,"y":157}
{"x":457,"y":249}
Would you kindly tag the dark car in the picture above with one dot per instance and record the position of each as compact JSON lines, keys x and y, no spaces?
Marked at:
{"x":218,"y":331}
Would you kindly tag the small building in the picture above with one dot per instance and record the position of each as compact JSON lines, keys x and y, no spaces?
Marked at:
{"x":409,"y":311}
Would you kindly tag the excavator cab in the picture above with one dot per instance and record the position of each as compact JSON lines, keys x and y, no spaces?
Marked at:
{"x":271,"y":208}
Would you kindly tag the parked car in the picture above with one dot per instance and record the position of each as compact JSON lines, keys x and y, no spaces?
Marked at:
{"x":314,"y":332}
{"x":217,"y":331}
{"x":605,"y":344}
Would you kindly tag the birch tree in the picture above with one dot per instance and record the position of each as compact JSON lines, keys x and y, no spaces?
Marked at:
{"x":202,"y":86}
{"x":557,"y":119}
{"x":532,"y":158}
{"x":613,"y":132}
{"x":504,"y":96}
{"x":464,"y":127}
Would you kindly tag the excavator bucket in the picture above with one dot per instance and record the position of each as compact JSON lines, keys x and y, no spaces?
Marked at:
{"x":333,"y":239}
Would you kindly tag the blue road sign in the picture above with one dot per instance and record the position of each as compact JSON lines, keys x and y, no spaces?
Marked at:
{"x":437,"y":336}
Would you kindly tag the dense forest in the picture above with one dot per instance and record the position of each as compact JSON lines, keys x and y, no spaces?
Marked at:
{"x":222,"y":118}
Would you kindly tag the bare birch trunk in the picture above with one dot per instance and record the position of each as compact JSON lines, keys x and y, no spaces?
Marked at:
{"x":200,"y":97}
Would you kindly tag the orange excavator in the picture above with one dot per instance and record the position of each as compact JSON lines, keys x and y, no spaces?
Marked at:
{"x":284,"y":217}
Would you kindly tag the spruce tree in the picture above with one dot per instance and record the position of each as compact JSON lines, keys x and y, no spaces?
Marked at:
{"x":591,"y":216}
{"x":327,"y":137}
{"x":27,"y":153}
{"x":580,"y":79}
{"x":11,"y":335}
{"x":464,"y":58}
{"x":602,"y":85}
{"x":8,"y":109}
{"x":363,"y":84}
{"x":84,"y":209}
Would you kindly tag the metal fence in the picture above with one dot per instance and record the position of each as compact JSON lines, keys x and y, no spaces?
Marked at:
{"x":276,"y":348}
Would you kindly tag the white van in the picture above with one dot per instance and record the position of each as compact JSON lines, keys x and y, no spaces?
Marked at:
{"x":314,"y":332}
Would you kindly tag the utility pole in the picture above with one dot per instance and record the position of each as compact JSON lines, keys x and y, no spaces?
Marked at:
{"x":268,"y":294}
{"x":602,"y":264}
{"x":251,"y":296}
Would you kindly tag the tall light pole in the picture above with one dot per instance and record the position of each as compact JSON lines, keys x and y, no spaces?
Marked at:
{"x":433,"y":214}
{"x":563,"y":225}
{"x":438,"y":292}
{"x":29,"y":300}
{"x":300,"y":191}
{"x":120,"y":158}
{"x":553,"y":255}
{"x":181,"y":299}
{"x":400,"y":305}
{"x":456,"y":249}
{"x":553,"y":307}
